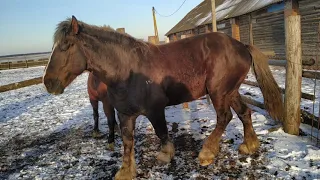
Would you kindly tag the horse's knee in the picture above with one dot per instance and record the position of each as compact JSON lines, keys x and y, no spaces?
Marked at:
{"x":245,"y":114}
{"x":224,"y":117}
{"x":228,"y":115}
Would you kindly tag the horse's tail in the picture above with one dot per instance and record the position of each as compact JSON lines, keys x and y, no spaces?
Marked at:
{"x":269,"y":87}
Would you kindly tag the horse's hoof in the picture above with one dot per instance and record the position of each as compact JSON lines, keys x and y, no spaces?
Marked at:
{"x":97,"y":134}
{"x":163,"y":158}
{"x":250,"y":148}
{"x":125,"y":174}
{"x":166,"y":153}
{"x":111,"y":146}
{"x":206,"y":157}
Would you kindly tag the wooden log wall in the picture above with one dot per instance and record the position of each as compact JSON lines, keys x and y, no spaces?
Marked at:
{"x":244,"y":29}
{"x":310,"y":19}
{"x":224,"y":26}
{"x":268,"y":33}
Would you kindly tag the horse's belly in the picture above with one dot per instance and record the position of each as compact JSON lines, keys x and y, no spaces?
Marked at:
{"x":185,"y":92}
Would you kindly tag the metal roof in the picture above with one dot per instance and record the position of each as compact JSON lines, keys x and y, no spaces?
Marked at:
{"x":201,"y":14}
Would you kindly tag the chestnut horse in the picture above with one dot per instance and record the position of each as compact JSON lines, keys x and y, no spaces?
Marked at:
{"x":97,"y":91}
{"x":143,"y":79}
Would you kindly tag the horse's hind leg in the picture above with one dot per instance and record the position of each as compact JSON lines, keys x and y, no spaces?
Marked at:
{"x":95,"y":106}
{"x":251,"y":142}
{"x":210,"y":148}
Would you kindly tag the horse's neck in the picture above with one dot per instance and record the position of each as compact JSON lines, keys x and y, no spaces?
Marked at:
{"x":114,"y":60}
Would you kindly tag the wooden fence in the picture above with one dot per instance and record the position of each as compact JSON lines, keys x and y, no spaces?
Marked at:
{"x":306,"y":117}
{"x":23,"y":64}
{"x":21,"y":84}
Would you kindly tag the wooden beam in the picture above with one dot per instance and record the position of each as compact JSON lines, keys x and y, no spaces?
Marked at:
{"x":294,"y":67}
{"x":207,"y":28}
{"x":152,"y":39}
{"x":311,"y":74}
{"x":250,"y":30}
{"x":307,"y":118}
{"x":213,"y":14}
{"x":20,"y":84}
{"x":121,"y":30}
{"x":214,"y":29}
{"x":186,"y":104}
{"x":175,"y":38}
{"x":155,"y":26}
{"x":235,"y":28}
{"x":272,"y":62}
{"x":303,"y":95}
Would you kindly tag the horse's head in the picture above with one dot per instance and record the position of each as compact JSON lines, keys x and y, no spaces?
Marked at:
{"x":67,"y":60}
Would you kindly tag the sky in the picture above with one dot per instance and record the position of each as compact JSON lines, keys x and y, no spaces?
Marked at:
{"x":27,"y":26}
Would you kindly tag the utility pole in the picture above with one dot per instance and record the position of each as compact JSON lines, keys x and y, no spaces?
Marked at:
{"x":155,"y":25}
{"x":214,"y":29}
{"x":213,"y":12}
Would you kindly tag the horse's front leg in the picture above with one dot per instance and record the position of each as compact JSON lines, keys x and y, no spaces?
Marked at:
{"x":128,"y":168}
{"x":158,"y":121}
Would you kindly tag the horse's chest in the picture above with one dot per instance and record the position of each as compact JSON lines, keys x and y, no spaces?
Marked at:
{"x":122,"y":101}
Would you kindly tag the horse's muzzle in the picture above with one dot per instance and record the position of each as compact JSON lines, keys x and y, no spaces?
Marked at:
{"x":53,"y":86}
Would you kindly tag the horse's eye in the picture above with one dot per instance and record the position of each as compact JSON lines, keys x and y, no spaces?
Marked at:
{"x":64,"y":46}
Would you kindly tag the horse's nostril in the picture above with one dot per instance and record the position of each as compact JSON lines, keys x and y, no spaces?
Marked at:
{"x":48,"y":83}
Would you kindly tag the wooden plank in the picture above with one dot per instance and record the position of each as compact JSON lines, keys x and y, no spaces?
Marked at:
{"x":311,"y":74}
{"x":292,"y":100}
{"x":303,"y":95}
{"x":307,"y":118}
{"x":235,"y":29}
{"x":20,"y":84}
{"x":272,"y":62}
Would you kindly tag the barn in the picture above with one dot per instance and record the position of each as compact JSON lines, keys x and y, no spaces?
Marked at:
{"x":263,"y":20}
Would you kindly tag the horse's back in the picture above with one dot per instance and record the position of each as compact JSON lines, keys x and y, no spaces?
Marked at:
{"x":189,"y":64}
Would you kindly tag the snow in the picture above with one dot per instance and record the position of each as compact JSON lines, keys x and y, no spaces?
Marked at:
{"x":43,"y":136}
{"x":14,"y":75}
{"x":201,"y":20}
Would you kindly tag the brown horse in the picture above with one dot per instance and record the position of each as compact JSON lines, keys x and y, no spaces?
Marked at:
{"x":97,"y":91}
{"x":143,"y":79}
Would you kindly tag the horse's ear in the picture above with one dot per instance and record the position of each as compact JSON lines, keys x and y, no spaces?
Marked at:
{"x":74,"y":25}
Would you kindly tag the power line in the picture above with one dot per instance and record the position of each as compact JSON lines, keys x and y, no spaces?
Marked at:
{"x":172,"y":13}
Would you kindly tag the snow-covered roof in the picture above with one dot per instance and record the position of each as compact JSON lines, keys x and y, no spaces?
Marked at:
{"x":201,"y":14}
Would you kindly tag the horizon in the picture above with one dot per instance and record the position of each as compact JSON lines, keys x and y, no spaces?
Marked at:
{"x":28,"y":26}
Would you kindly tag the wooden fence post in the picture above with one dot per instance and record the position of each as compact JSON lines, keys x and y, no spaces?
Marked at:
{"x":294,"y":67}
{"x":214,"y":29}
{"x":175,"y":38}
{"x":235,"y":28}
{"x":250,"y":30}
{"x":121,"y":30}
{"x":185,"y":105}
{"x":152,"y":39}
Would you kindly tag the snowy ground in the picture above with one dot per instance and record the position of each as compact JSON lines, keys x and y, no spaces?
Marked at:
{"x":16,"y":75}
{"x":49,"y":137}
